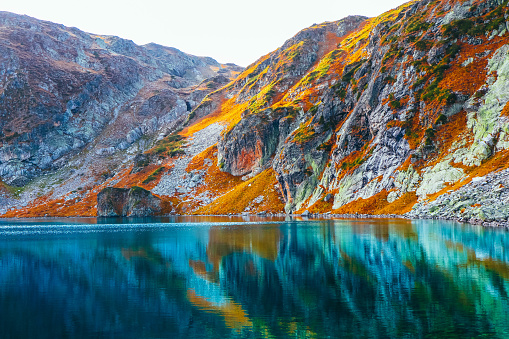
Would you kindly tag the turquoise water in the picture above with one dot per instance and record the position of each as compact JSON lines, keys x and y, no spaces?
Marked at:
{"x":252,"y":278}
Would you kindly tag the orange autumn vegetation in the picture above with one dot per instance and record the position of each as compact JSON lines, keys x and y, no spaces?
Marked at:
{"x":215,"y":180}
{"x":128,"y":180}
{"x":468,"y":79}
{"x":453,"y":130}
{"x":505,"y":110}
{"x":365,"y":206}
{"x":400,"y":206}
{"x":228,"y":114}
{"x":375,"y":205}
{"x":44,"y":206}
{"x":198,"y":161}
{"x":465,"y":79}
{"x":319,"y":207}
{"x":242,"y":196}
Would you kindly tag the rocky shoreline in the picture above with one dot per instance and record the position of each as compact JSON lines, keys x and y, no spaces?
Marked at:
{"x":482,"y":201}
{"x":484,"y":223}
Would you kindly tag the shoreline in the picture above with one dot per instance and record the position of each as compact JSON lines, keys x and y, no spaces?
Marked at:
{"x":306,"y":216}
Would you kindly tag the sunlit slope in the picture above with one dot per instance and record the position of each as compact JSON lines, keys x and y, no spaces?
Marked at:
{"x":400,"y":108}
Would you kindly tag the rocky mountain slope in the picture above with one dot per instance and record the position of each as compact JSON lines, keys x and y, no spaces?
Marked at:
{"x":82,"y":103}
{"x":377,"y":115}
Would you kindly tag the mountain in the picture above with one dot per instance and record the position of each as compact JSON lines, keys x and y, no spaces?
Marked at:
{"x":61,"y":89}
{"x":403,"y":113}
{"x":68,"y":98}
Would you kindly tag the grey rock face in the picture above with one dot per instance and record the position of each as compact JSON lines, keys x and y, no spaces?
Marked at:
{"x":249,"y":145}
{"x":482,"y":200}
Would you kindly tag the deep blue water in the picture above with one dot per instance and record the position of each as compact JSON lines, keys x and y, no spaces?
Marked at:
{"x":259,"y":278}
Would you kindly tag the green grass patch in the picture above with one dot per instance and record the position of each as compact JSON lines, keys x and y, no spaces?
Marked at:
{"x":153,"y":175}
{"x":395,"y":104}
{"x":417,"y":26}
{"x":304,"y":133}
{"x":349,"y":165}
{"x":170,"y":146}
{"x":423,"y":45}
{"x":12,"y":190}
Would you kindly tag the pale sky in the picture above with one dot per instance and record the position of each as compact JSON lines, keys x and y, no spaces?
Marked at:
{"x":227,"y":30}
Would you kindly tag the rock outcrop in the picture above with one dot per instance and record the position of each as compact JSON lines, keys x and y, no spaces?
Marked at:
{"x":127,"y":202}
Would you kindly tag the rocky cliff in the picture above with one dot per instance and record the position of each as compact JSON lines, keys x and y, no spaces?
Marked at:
{"x":394,"y":114}
{"x":408,"y":107}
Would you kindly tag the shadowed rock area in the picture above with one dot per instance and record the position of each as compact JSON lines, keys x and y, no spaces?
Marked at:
{"x":127,"y":202}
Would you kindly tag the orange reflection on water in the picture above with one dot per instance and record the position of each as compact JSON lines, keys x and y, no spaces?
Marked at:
{"x":490,"y":264}
{"x":225,"y":241}
{"x":200,"y":269}
{"x":146,"y":253}
{"x":383,"y":228}
{"x":234,"y":316}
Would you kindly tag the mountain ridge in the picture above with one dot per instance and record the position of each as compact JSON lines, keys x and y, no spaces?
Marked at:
{"x":361,"y":115}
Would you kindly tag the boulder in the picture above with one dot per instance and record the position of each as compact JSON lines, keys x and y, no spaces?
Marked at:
{"x":328,"y":197}
{"x":111,"y":202}
{"x":127,"y":202}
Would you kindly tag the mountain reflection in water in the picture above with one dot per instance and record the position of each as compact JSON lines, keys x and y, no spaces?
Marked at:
{"x":360,"y":278}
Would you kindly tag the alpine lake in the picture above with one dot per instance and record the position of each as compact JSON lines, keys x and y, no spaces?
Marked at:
{"x":235,"y":277}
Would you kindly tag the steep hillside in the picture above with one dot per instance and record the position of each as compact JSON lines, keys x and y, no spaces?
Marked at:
{"x":81,"y":104}
{"x":403,"y":113}
{"x":409,"y":106}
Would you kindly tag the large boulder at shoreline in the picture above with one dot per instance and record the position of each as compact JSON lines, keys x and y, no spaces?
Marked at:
{"x":127,"y":202}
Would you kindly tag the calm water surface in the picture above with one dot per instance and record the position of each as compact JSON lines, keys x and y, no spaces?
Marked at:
{"x":232,"y":278}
